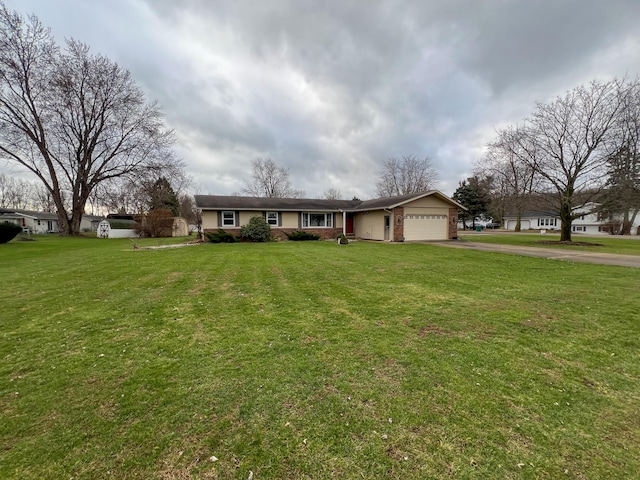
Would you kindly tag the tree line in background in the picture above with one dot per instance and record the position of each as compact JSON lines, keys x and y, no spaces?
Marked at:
{"x":577,"y":150}
{"x":398,"y":176}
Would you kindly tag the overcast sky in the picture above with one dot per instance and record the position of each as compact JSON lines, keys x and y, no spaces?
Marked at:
{"x":329,"y":89}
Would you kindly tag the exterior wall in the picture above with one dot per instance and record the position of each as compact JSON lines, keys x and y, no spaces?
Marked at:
{"x":398,"y":224}
{"x":530,"y":223}
{"x":209,"y":220}
{"x":288,"y":220}
{"x":369,"y":225}
{"x":510,"y":223}
{"x":246,"y":216}
{"x":32,"y":225}
{"x":429,"y":202}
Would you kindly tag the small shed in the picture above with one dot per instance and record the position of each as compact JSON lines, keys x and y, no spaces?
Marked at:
{"x":117,"y":228}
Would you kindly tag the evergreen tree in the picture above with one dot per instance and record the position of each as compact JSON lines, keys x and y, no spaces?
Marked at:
{"x":163,"y":197}
{"x":473,"y":195}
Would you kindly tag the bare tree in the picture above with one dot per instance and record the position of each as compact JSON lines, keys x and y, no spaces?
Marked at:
{"x":15,"y":192}
{"x":514,"y":179}
{"x":269,"y":180}
{"x":567,"y":142}
{"x":43,"y":199}
{"x":72,"y":118}
{"x":406,"y":175}
{"x":333,"y":194}
{"x":621,"y":200}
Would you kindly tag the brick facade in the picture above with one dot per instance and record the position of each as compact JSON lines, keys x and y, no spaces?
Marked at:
{"x":453,"y":223}
{"x":398,"y":224}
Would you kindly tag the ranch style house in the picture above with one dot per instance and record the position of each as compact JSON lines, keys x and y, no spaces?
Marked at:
{"x":416,"y":217}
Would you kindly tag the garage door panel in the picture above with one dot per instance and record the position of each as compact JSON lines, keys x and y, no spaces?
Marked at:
{"x":425,"y":227}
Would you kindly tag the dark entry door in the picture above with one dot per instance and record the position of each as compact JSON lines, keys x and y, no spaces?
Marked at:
{"x":349,"y":224}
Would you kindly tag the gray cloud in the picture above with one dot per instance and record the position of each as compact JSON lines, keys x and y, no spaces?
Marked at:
{"x":330,"y":90}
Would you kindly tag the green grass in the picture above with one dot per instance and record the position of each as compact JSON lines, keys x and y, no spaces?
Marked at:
{"x":313,"y":360}
{"x":607,"y":243}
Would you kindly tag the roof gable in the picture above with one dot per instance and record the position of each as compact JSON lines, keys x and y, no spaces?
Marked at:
{"x":398,"y":201}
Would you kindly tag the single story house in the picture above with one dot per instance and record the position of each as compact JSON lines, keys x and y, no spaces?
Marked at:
{"x":587,"y":223}
{"x":31,"y":221}
{"x":89,"y":223}
{"x":415,"y":217}
{"x":533,"y":220}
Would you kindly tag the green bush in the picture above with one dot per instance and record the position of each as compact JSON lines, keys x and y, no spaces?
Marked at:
{"x":220,"y":237}
{"x":257,"y":230}
{"x":343,"y":240}
{"x":8,"y":231}
{"x":299,"y":236}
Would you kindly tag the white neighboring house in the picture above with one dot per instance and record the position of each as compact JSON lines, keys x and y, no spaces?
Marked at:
{"x":31,"y":221}
{"x":588,"y":223}
{"x":89,"y":223}
{"x":44,"y":222}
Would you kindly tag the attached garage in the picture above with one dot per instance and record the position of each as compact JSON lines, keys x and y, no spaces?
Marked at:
{"x":408,"y":218}
{"x":425,"y":227}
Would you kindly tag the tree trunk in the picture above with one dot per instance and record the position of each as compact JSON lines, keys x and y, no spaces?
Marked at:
{"x":518,"y":223}
{"x":626,"y":224}
{"x":565,"y":221}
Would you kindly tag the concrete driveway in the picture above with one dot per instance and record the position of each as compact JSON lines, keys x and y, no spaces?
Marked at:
{"x":552,"y":253}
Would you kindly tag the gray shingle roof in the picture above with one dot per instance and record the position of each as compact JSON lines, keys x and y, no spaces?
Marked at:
{"x":218,"y":202}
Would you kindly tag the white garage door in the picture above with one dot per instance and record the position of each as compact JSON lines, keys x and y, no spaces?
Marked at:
{"x":425,"y":227}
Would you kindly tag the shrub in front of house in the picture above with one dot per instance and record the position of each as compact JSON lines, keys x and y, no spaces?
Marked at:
{"x":220,"y":237}
{"x":8,"y":231}
{"x":343,"y":240}
{"x":299,"y":235}
{"x":257,"y":230}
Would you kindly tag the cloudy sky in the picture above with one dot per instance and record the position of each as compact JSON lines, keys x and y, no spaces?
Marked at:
{"x":329,"y":89}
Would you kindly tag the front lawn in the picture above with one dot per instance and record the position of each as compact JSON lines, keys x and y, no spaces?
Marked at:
{"x":605,"y":243}
{"x":314,"y":360}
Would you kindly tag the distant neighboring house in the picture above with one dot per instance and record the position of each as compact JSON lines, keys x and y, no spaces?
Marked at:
{"x":425,"y":216}
{"x":533,"y":220}
{"x":588,"y":223}
{"x":89,"y":223}
{"x":31,"y":221}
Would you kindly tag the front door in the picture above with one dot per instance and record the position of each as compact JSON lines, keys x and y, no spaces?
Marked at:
{"x":387,"y":226}
{"x":349,"y":224}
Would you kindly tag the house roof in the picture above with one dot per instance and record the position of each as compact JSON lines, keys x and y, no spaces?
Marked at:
{"x":28,"y":213}
{"x":397,"y":201}
{"x":218,"y":202}
{"x":535,"y":214}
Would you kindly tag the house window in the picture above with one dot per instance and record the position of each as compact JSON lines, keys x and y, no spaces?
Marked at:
{"x":228,"y":219}
{"x":272,"y":218}
{"x":317,"y":220}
